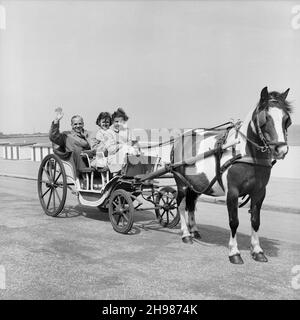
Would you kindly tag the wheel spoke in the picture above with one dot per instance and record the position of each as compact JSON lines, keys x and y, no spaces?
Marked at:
{"x":119,"y":200}
{"x":49,"y":198}
{"x":55,"y":181}
{"x":163,"y":200}
{"x":57,"y":195}
{"x":119,"y":218}
{"x":47,"y":173}
{"x":43,"y":195}
{"x":171,"y":213}
{"x":163,"y":213}
{"x":50,"y":169}
{"x":54,"y":175}
{"x":125,"y":217}
{"x":172,"y":202}
{"x":115,"y":204}
{"x":53,"y":200}
{"x":123,"y":202}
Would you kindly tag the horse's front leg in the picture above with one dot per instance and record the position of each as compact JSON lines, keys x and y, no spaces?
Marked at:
{"x":232,"y":207}
{"x":256,"y":203}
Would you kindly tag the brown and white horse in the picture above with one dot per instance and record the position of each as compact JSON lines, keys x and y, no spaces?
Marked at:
{"x":262,"y":137}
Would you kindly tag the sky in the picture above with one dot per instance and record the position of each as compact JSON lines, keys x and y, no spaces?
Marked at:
{"x":168,"y":64}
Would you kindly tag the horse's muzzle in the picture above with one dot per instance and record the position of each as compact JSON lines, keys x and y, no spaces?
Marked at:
{"x":279,"y":150}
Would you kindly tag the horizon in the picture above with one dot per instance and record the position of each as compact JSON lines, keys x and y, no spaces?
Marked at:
{"x":180,"y":64}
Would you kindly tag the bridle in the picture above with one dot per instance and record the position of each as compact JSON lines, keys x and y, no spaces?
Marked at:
{"x":266,"y":147}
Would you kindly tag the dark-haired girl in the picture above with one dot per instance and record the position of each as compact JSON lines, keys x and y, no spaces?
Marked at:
{"x":104,"y":122}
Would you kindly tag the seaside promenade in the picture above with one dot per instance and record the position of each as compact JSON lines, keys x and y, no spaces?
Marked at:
{"x":283,"y":194}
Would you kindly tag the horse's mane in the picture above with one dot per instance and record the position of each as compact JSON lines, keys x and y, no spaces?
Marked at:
{"x":275,"y":100}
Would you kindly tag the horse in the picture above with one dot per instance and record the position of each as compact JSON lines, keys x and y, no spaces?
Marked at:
{"x":242,"y":169}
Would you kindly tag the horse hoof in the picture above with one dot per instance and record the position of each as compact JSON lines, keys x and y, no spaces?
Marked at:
{"x":260,"y":257}
{"x":187,"y":240}
{"x":197,"y":235}
{"x":236,"y":259}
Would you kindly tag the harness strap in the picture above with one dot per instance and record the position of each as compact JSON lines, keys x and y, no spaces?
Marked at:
{"x":218,"y":156}
{"x":225,"y":166}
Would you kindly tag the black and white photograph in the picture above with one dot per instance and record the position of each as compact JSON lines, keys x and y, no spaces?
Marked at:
{"x":149,"y":151}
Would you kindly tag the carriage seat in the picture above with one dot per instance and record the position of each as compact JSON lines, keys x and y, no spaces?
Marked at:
{"x":87,"y":170}
{"x":90,"y":153}
{"x":139,"y":165}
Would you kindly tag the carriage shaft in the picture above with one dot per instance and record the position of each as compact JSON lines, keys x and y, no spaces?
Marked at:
{"x":171,"y":166}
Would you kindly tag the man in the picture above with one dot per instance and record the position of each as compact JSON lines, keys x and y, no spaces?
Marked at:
{"x":70,"y":142}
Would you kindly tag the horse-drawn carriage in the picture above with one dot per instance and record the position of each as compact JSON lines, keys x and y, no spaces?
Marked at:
{"x":233,"y":161}
{"x":121,"y":194}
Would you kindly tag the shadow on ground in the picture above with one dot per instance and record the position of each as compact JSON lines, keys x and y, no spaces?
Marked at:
{"x":220,"y":236}
{"x":146,"y":221}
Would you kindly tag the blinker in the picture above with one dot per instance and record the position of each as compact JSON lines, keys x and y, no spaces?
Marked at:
{"x":288,"y":122}
{"x":261,"y":118}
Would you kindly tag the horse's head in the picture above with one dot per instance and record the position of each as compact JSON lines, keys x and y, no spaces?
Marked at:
{"x":272,"y":119}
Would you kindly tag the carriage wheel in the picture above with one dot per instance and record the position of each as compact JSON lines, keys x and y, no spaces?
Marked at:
{"x":121,"y":211}
{"x":52,"y":185}
{"x":168,"y":213}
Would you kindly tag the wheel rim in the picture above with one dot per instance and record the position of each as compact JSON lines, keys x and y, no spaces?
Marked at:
{"x":167,"y":214}
{"x":169,"y":208}
{"x":52,"y":186}
{"x":121,"y":211}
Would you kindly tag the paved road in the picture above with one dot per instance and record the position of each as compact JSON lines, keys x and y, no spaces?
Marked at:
{"x":79,"y":256}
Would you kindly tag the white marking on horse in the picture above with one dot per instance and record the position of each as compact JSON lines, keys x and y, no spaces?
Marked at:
{"x":233,"y":246}
{"x":183,"y":215}
{"x":277,"y":115}
{"x":255,"y":246}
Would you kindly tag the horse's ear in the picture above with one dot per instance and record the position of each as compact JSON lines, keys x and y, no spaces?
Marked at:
{"x":284,"y":95}
{"x":264,"y":95}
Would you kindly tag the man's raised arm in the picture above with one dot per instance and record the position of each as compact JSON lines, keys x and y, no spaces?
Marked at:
{"x":54,"y":135}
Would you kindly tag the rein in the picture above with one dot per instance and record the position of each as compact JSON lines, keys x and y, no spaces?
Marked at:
{"x":168,"y":142}
{"x":266,"y":144}
{"x":263,"y":148}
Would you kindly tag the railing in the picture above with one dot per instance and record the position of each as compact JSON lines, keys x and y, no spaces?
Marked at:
{"x":40,"y":150}
{"x":25,"y":151}
{"x":16,"y":151}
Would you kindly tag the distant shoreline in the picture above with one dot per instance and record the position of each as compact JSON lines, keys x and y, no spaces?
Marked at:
{"x":23,"y":135}
{"x":293,"y":136}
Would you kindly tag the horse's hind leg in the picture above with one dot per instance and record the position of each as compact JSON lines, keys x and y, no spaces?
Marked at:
{"x":191,"y":198}
{"x":232,"y":206}
{"x":256,"y":203}
{"x":181,"y":201}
